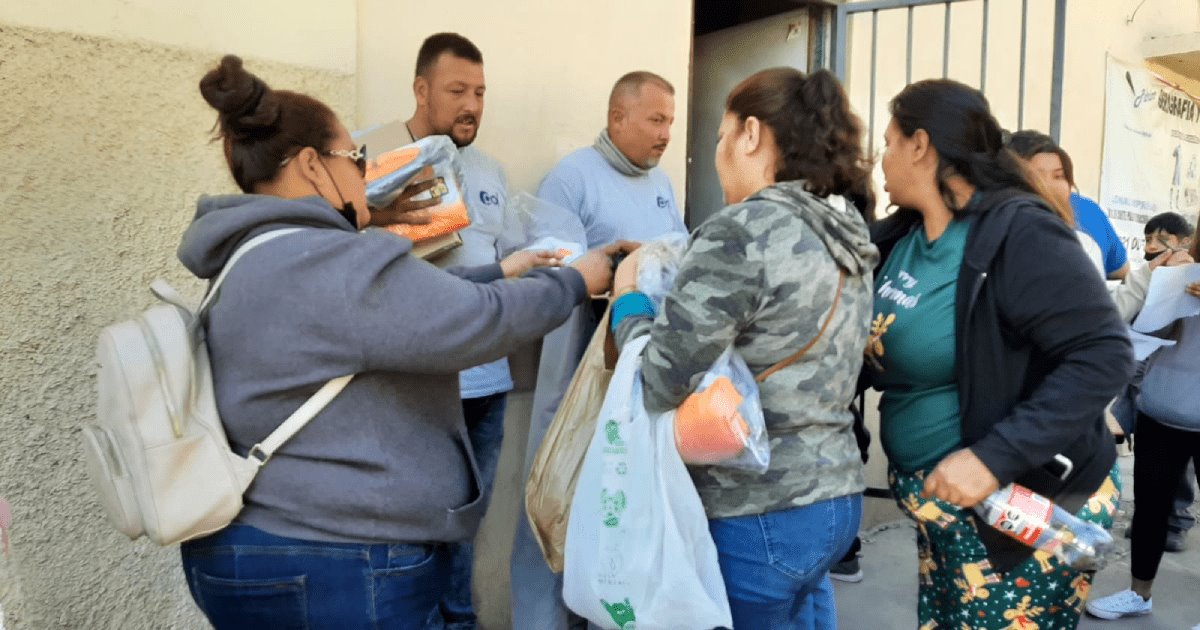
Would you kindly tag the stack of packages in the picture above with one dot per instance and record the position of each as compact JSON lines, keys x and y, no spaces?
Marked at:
{"x":430,"y":158}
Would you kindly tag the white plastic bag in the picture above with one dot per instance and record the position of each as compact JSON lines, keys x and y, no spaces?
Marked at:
{"x":722,"y":423}
{"x":639,"y":554}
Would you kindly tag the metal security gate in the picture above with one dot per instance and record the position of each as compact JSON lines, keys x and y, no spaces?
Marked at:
{"x":840,"y":45}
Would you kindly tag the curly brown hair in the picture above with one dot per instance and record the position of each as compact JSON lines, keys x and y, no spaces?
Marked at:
{"x":819,"y":138}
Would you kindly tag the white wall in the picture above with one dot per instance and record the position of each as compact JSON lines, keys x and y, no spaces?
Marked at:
{"x":1094,"y":28}
{"x":549,"y":64}
{"x":106,"y":147}
{"x":312,"y":34}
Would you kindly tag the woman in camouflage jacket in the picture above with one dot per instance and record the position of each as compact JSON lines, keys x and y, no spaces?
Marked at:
{"x":787,"y":265}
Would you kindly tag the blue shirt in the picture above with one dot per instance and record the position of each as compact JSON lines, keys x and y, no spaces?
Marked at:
{"x":1091,"y":219}
{"x":612,"y":206}
{"x":486,"y":192}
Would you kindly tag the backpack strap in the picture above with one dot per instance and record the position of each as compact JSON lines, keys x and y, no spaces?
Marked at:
{"x":237,"y":254}
{"x":837,"y":297}
{"x":261,"y":452}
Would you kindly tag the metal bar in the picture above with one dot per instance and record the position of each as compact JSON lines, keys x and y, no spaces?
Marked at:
{"x":984,"y":51}
{"x":880,"y":5}
{"x":1021,"y":87}
{"x":874,"y":59}
{"x":1056,"y":76}
{"x":840,"y":43}
{"x":878,"y":493}
{"x":908,"y":59}
{"x":818,"y":26}
{"x":946,"y":45}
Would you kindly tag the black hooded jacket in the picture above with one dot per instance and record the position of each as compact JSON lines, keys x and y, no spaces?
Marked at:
{"x":1040,"y":352}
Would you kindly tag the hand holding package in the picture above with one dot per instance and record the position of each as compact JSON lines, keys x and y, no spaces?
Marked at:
{"x":430,"y":158}
{"x":536,"y":224}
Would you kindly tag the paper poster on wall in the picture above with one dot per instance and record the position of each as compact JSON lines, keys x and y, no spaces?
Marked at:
{"x":1151,"y":151}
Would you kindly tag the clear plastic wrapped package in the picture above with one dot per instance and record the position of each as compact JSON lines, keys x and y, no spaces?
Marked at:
{"x":658,"y":264}
{"x":430,"y":158}
{"x":722,"y":422}
{"x":536,"y":224}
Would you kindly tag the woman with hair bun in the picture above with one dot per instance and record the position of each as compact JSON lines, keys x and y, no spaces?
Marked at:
{"x":997,"y":349}
{"x":346,"y":525}
{"x":783,"y":273}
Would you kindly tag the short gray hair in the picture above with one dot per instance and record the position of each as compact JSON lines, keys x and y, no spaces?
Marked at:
{"x":631,"y":83}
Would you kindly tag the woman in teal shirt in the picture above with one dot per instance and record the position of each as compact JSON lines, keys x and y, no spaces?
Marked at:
{"x":988,"y":376}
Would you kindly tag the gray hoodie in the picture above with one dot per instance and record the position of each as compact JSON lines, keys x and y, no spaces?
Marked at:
{"x":762,"y":275}
{"x":1168,"y":392}
{"x":388,"y":460}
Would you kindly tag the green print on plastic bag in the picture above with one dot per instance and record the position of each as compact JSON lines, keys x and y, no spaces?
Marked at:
{"x":613,"y":505}
{"x":621,"y":613}
{"x":612,"y":431}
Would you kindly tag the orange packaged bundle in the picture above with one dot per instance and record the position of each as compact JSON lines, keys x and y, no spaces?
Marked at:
{"x":708,"y":427}
{"x":722,"y":423}
{"x":430,"y":158}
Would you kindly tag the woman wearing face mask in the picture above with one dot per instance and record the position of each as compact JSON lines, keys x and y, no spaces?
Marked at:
{"x":786,"y":266}
{"x":995,"y":365}
{"x":1053,"y":166}
{"x":345,"y":526}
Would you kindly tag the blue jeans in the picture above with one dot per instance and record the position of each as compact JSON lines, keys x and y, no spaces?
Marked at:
{"x":243,"y":577}
{"x":485,"y":428}
{"x":776,"y":565}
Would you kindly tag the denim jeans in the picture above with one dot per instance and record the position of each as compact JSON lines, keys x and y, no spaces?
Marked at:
{"x":243,"y":577}
{"x":776,"y":565}
{"x":485,"y":428}
{"x":1181,"y":519}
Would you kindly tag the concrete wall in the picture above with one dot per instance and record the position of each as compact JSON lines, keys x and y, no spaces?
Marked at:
{"x":105,"y":143}
{"x":549,"y":63}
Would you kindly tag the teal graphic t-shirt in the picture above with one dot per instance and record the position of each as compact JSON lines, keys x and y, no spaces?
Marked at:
{"x":912,"y":341}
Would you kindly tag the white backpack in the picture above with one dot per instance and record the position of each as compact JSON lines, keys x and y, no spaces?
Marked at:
{"x":157,"y":455}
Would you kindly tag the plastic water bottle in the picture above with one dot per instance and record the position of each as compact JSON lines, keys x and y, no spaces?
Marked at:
{"x":1037,"y":522}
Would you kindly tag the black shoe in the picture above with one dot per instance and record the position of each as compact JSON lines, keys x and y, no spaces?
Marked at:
{"x":847,"y":571}
{"x":1176,"y":541}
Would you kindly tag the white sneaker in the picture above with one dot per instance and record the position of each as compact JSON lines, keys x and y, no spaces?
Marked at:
{"x":1123,"y":604}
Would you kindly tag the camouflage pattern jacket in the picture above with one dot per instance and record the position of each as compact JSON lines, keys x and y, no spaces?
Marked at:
{"x":762,"y":275}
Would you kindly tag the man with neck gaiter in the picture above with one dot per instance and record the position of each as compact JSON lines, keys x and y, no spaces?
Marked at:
{"x":619,"y":193}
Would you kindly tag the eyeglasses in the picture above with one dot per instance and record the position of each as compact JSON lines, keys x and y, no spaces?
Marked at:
{"x":359,"y":156}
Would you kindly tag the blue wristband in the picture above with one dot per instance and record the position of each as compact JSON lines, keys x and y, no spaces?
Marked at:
{"x":632,"y":304}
